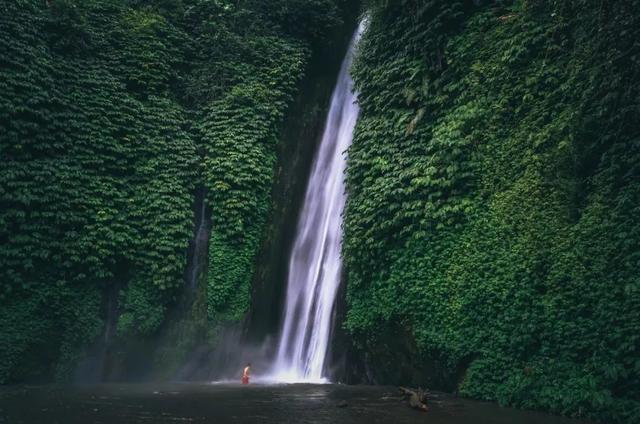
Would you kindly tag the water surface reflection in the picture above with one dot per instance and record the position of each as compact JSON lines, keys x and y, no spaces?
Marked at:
{"x":233,"y":403}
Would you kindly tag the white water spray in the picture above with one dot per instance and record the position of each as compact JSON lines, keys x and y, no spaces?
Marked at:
{"x":315,"y":263}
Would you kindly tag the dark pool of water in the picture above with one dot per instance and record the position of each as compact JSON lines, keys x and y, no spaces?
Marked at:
{"x":231,"y":403}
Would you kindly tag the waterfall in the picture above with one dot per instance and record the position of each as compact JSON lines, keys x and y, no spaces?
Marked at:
{"x":315,"y":263}
{"x":199,"y":245}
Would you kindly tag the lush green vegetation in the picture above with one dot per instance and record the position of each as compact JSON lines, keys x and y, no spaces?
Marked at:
{"x":492,"y":238}
{"x":111,"y":113}
{"x":492,"y":231}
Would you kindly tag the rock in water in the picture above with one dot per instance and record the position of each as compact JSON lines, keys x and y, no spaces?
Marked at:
{"x":417,"y":399}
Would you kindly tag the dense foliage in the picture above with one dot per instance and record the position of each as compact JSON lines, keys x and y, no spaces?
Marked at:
{"x":111,"y":113}
{"x":492,"y":237}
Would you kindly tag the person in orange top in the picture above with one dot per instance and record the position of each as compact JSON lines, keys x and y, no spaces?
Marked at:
{"x":245,"y":374}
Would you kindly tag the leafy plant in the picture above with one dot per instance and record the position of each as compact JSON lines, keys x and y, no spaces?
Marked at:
{"x":492,"y":189}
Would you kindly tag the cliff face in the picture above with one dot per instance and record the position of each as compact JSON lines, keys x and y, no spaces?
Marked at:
{"x":491,"y":231}
{"x":97,"y":178}
{"x":115,"y":115}
{"x":154,"y":155}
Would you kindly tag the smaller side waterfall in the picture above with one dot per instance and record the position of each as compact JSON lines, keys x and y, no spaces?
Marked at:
{"x":315,"y":263}
{"x":199,"y":245}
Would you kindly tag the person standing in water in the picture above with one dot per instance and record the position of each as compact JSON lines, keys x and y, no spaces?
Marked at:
{"x":245,"y":374}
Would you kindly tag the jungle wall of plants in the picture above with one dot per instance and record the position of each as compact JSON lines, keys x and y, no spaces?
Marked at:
{"x":492,"y":231}
{"x":112,"y":112}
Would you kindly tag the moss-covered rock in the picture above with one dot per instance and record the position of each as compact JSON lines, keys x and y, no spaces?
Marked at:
{"x":493,"y":189}
{"x":111,"y":114}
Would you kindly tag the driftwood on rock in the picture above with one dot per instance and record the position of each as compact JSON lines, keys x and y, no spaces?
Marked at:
{"x":417,"y":398}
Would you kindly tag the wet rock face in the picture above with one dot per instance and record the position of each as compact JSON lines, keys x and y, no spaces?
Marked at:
{"x":392,"y":358}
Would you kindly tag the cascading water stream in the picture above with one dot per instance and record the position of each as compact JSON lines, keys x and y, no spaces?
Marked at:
{"x":197,"y":257}
{"x":315,"y":263}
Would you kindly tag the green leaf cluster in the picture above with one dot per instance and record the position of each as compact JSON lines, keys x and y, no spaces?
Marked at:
{"x":239,"y":133}
{"x":491,"y":231}
{"x":112,"y":112}
{"x":97,"y":175}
